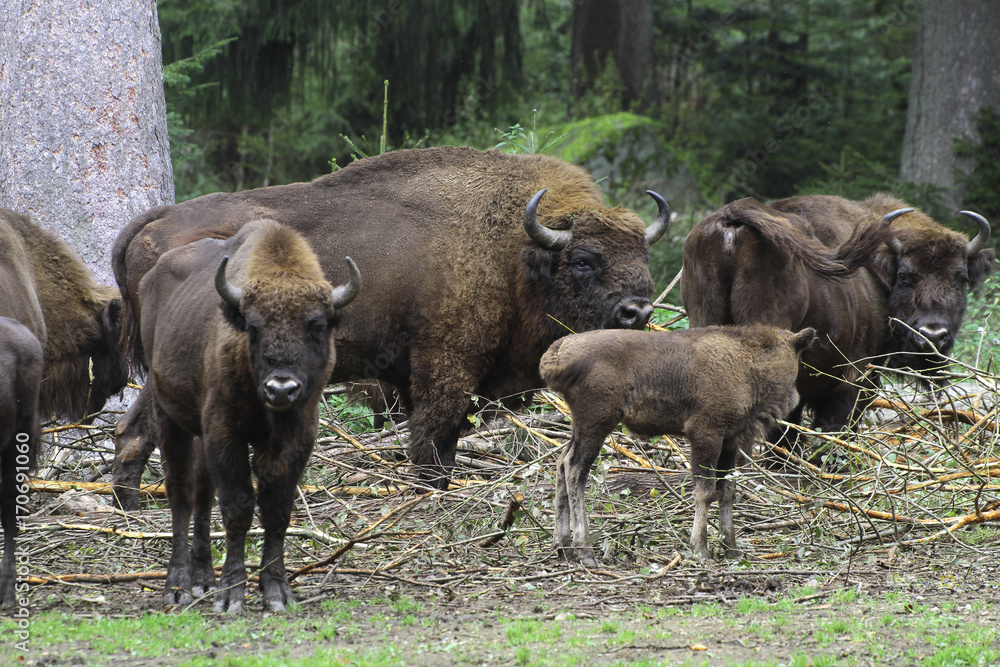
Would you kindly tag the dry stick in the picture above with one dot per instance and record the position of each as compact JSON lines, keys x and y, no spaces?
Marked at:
{"x":365,"y":535}
{"x":357,"y":445}
{"x":959,"y":522}
{"x":665,"y":292}
{"x":139,"y":535}
{"x":508,"y":521}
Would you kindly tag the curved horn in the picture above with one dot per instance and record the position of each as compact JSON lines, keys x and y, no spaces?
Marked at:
{"x":894,"y":243}
{"x":659,"y":226}
{"x":550,"y":239}
{"x":978,"y":243}
{"x":344,"y":294}
{"x":229,"y":293}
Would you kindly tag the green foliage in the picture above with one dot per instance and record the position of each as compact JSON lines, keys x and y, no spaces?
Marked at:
{"x":979,"y":342}
{"x":856,"y":177}
{"x":982,"y":193}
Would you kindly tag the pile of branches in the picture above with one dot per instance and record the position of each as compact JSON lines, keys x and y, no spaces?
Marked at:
{"x":922,"y":468}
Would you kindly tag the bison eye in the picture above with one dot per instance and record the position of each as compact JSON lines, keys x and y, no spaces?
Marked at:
{"x":317,"y":329}
{"x":904,"y":279}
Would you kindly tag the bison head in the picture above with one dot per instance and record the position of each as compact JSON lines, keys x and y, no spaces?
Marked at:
{"x":929,"y":270}
{"x":109,"y":370}
{"x":288,"y":322}
{"x":594,"y":274}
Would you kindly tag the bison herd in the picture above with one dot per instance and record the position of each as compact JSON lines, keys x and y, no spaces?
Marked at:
{"x":479,"y":269}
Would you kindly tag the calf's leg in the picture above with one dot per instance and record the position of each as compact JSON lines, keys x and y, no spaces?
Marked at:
{"x":706,"y":449}
{"x":574,"y":467}
{"x":732,"y":452}
{"x":562,"y":537}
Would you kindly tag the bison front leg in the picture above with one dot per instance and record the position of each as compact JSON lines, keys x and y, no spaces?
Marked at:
{"x":229,"y":468}
{"x":134,"y":443}
{"x":203,"y":575}
{"x":733,"y":450}
{"x":178,"y":458}
{"x":275,"y":499}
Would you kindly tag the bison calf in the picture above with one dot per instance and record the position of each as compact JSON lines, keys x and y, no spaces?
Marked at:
{"x":20,"y":379}
{"x":715,"y":385}
{"x":238,"y":358}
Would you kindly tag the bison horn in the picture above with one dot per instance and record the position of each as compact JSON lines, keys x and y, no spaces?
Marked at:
{"x":659,"y":226}
{"x":345,"y":294}
{"x":897,"y":247}
{"x":978,"y":243}
{"x":230,"y":294}
{"x":550,"y":239}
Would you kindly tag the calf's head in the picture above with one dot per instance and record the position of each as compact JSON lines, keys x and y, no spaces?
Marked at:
{"x":930,"y":269}
{"x":593,"y":264}
{"x":288,"y":321}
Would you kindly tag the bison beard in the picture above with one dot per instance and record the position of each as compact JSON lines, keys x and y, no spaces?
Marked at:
{"x":479,"y":260}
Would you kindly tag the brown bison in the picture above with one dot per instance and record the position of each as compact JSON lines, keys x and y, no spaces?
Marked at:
{"x":739,"y":268}
{"x":718,"y":386}
{"x":46,"y":287}
{"x":239,"y":352}
{"x":474,"y":263}
{"x":21,"y":366}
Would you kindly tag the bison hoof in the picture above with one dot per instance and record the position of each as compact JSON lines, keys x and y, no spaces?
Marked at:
{"x":8,"y":595}
{"x":174,"y":596}
{"x":734,"y":552}
{"x":127,"y":500}
{"x":228,"y":604}
{"x":585,"y":555}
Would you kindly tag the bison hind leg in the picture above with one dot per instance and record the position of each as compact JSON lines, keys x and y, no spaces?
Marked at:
{"x":203,"y":575}
{"x":8,"y":508}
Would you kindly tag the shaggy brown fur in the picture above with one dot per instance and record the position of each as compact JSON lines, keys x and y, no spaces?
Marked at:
{"x":76,"y":319}
{"x":235,"y":378}
{"x":459,"y":299}
{"x":21,"y":366}
{"x":718,"y":386}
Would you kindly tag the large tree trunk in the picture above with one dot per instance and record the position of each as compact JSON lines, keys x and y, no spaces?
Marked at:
{"x":956,"y":72}
{"x":83,"y":134}
{"x":622,"y":29}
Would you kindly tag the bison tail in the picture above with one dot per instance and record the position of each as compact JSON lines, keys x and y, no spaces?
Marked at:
{"x":790,"y":241}
{"x":866,"y":240}
{"x":561,"y":374}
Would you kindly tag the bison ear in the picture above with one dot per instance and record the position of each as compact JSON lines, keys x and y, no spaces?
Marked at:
{"x":538,"y":264}
{"x":882,"y":264}
{"x":111,"y":321}
{"x":233,"y":316}
{"x":803,"y":339}
{"x":981,"y":265}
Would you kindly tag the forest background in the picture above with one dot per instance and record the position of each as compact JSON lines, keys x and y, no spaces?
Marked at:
{"x":704,"y":102}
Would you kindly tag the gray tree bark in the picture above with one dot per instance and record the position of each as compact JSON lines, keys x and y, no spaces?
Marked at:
{"x":622,"y":28}
{"x":83,"y":127}
{"x":956,"y":72}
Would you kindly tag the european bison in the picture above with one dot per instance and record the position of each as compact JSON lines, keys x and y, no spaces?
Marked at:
{"x":239,"y":351}
{"x":715,"y":385}
{"x":738,"y":270}
{"x":20,"y":377}
{"x":474,"y":263}
{"x":45,"y":286}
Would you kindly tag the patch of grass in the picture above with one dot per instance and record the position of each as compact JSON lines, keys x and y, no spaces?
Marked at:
{"x":527,"y":631}
{"x":751,"y":605}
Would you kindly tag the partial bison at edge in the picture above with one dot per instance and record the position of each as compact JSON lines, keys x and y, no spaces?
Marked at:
{"x":239,"y":338}
{"x":900,"y":302}
{"x":21,"y":366}
{"x":717,"y":386}
{"x":474,"y":263}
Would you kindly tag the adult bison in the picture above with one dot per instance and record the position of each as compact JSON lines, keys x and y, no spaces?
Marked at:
{"x":743,"y":265}
{"x":474,"y":263}
{"x":239,"y":352}
{"x":45,"y":286}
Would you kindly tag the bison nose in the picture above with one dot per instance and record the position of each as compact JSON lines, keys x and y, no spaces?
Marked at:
{"x":935,"y":334}
{"x":281,"y":392}
{"x":632,"y":314}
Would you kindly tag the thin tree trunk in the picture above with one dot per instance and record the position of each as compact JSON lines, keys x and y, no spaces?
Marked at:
{"x":956,"y":72}
{"x":83,"y":128}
